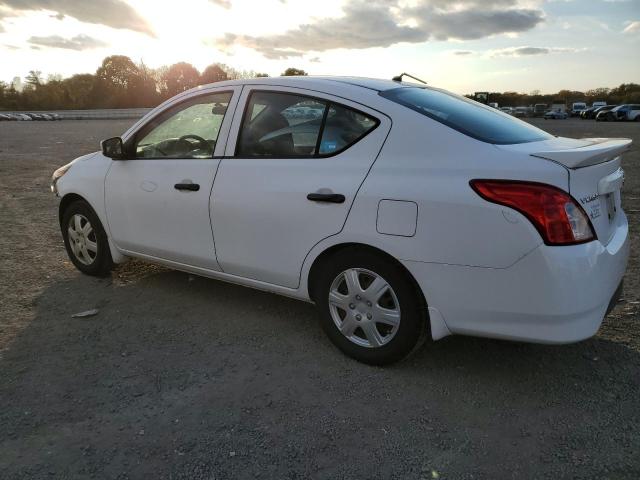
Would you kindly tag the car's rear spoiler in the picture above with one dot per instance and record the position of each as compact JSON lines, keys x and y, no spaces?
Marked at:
{"x":599,"y":151}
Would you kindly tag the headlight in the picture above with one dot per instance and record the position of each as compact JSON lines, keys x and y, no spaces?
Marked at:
{"x":56,"y":175}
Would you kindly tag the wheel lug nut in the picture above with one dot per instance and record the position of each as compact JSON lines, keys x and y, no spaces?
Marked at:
{"x":369,"y":304}
{"x":352,"y":306}
{"x":358,"y":317}
{"x":358,"y":297}
{"x":369,"y":316}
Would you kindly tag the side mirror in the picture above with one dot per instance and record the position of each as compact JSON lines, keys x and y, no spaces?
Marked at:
{"x":113,"y":148}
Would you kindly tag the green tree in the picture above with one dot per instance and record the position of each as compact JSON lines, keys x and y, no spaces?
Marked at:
{"x":292,"y":72}
{"x":213,"y":73}
{"x":114,"y":81}
{"x":78,"y":90}
{"x":180,"y":77}
{"x":33,"y":79}
{"x":144,"y":91}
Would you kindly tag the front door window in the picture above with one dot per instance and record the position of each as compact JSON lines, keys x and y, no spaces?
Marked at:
{"x":189,"y":130}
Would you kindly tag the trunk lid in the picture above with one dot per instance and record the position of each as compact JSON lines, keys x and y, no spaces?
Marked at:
{"x":595,"y":174}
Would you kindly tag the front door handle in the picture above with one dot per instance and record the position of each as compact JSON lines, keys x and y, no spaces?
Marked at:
{"x":192,"y":187}
{"x":326,"y":197}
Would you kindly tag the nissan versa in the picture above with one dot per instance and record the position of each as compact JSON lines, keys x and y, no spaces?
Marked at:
{"x":402,"y":211}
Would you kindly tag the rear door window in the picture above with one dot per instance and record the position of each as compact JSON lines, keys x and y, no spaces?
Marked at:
{"x":466,"y":116}
{"x":344,"y":127}
{"x":284,"y":125}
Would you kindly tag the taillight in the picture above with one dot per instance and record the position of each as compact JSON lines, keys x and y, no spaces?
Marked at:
{"x":554,"y":213}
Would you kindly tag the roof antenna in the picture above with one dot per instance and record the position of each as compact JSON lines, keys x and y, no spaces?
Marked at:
{"x":399,"y":78}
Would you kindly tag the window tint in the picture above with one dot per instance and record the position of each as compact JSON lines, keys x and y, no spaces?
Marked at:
{"x":468,"y":117}
{"x":343,"y":128}
{"x":288,"y":125}
{"x":280,"y":125}
{"x":189,"y":130}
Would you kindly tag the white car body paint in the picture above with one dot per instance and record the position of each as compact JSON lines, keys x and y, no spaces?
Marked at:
{"x":483,"y":268}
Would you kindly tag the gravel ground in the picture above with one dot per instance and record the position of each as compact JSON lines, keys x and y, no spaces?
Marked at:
{"x":188,"y":378}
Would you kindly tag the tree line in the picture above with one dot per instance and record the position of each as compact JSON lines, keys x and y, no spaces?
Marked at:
{"x":625,"y":93}
{"x":117,"y":83}
{"x":121,"y":83}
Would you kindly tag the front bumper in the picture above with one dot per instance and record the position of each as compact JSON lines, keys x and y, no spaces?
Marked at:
{"x":551,"y":295}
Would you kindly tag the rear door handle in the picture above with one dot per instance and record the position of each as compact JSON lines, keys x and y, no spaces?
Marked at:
{"x":326,"y":197}
{"x":192,"y":187}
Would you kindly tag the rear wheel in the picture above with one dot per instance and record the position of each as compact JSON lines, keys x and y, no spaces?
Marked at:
{"x":85,"y":239}
{"x":369,"y":307}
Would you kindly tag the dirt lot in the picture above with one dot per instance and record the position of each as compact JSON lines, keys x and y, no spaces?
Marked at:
{"x":183,"y":377}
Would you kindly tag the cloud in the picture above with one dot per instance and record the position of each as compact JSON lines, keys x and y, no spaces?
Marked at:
{"x":113,"y":13}
{"x":462,"y":53}
{"x":633,"y":27}
{"x":79,"y":42}
{"x":222,"y":3}
{"x":529,"y":51}
{"x":380,"y":23}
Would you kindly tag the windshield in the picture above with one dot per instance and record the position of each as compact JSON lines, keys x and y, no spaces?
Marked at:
{"x":466,"y":116}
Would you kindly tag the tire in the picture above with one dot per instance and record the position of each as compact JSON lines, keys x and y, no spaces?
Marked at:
{"x":400,"y":307}
{"x":85,"y":239}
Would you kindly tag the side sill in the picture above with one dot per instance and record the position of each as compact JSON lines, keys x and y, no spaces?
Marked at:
{"x":225,"y":277}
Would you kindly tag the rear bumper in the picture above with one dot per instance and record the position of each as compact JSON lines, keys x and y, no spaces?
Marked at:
{"x":552,"y":295}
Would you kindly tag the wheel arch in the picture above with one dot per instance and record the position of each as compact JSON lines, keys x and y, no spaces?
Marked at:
{"x":333,"y":249}
{"x":67,"y":200}
{"x":71,"y":197}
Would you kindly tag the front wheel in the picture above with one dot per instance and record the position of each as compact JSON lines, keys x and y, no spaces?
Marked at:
{"x":85,"y":239}
{"x":369,"y":307}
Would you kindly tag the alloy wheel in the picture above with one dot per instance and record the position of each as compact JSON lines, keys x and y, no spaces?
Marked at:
{"x":82,"y":239}
{"x":364,"y":307}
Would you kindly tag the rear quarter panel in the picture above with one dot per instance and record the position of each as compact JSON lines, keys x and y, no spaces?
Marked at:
{"x":430,"y":164}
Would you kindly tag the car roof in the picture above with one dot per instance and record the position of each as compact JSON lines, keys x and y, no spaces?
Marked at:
{"x":376,"y":84}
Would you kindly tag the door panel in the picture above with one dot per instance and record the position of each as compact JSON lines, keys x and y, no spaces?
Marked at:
{"x":150,"y":210}
{"x":263,"y":223}
{"x":148,"y":215}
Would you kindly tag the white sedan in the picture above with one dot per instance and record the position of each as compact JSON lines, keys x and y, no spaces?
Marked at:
{"x":556,"y":115}
{"x":402,"y":211}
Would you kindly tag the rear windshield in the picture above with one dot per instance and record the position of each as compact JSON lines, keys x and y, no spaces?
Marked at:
{"x":466,"y":116}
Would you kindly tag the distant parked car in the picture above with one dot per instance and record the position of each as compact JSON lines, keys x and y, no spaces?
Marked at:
{"x":626,"y":113}
{"x":508,"y":110}
{"x":620,"y":113}
{"x":604,"y":113}
{"x":599,"y":104}
{"x":539,"y":109}
{"x":587,"y":113}
{"x":591,"y":113}
{"x":577,"y":108}
{"x":521,"y":111}
{"x":5,"y":118}
{"x":555,"y":115}
{"x":18,"y":116}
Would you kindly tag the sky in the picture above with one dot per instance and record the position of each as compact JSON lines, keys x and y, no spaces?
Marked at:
{"x":460,"y":45}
